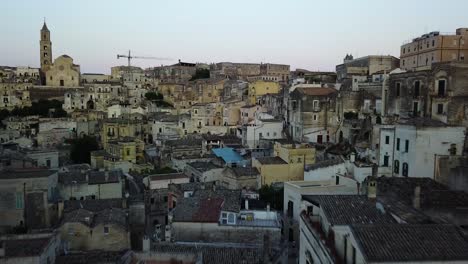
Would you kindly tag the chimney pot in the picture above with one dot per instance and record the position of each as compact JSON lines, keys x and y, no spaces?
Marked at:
{"x":417,"y":197}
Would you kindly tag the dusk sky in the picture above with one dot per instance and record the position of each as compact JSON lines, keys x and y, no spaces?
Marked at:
{"x":314,"y":35}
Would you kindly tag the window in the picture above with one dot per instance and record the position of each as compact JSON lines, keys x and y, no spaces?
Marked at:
{"x":19,"y":200}
{"x":315,"y":117}
{"x":48,"y":163}
{"x":224,"y":218}
{"x":152,"y":200}
{"x":316,"y":104}
{"x":294,"y":105}
{"x":441,"y":90}
{"x":416,"y":88}
{"x":440,"y":109}
{"x":396,"y":167}
{"x":337,"y":180}
{"x":260,"y":135}
{"x":433,"y":43}
{"x":106,"y":230}
{"x":385,"y":160}
{"x":415,"y":108}
{"x":406,"y":145}
{"x":290,"y":209}
{"x":231,"y":218}
{"x":165,"y":199}
{"x":404,"y":172}
{"x":387,"y":140}
{"x":128,"y":152}
{"x":398,"y":87}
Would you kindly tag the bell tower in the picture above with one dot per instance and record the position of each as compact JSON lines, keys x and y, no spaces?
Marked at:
{"x":45,"y":48}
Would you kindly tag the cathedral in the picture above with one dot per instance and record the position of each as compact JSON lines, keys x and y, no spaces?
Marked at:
{"x":62,"y":72}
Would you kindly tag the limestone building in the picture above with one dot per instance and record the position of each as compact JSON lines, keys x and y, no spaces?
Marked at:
{"x":62,"y":72}
{"x":46,"y":48}
{"x":421,"y":52}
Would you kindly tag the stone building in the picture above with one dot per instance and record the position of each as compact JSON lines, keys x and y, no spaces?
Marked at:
{"x":215,"y":215}
{"x":63,"y":72}
{"x":25,"y":197}
{"x":45,"y":45}
{"x":41,"y":248}
{"x":433,"y":47}
{"x":438,"y":93}
{"x":235,"y":178}
{"x":365,"y":66}
{"x":312,"y":114}
{"x":409,"y":148}
{"x":104,"y":230}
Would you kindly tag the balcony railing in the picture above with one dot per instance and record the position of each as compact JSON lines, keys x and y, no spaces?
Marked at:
{"x":325,"y":241}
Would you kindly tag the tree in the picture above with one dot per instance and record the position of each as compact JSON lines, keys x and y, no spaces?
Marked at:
{"x":81,"y":149}
{"x":152,"y":96}
{"x":201,"y":74}
{"x":272,"y":195}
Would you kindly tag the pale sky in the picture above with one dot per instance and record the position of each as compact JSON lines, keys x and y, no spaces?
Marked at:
{"x":310,"y":34}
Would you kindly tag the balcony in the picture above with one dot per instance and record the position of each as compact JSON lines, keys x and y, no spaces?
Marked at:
{"x":325,"y":242}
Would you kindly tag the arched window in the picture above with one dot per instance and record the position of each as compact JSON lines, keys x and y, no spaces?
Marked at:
{"x":396,"y":167}
{"x":405,"y":169}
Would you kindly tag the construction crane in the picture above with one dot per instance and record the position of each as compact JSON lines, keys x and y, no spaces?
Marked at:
{"x":130,"y":57}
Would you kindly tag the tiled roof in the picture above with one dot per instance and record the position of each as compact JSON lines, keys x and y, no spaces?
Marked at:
{"x":411,"y":243}
{"x":106,"y":216}
{"x":244,"y":171}
{"x":206,"y":205}
{"x":167,"y":176}
{"x":433,"y":194}
{"x":101,"y":177}
{"x":26,"y":173}
{"x":90,"y":257}
{"x":92,"y":205}
{"x":349,"y":209}
{"x":271,"y":160}
{"x":25,"y":247}
{"x":185,"y":142}
{"x":324,"y":164}
{"x":111,"y":216}
{"x":203,"y":166}
{"x":316,"y":91}
{"x":214,"y":254}
{"x":422,"y":122}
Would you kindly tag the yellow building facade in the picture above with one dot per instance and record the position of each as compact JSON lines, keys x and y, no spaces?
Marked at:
{"x":260,"y":87}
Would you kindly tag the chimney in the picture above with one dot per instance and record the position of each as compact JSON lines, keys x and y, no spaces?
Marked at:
{"x":60,"y":207}
{"x":246,"y":204}
{"x":417,"y":197}
{"x":372,"y":188}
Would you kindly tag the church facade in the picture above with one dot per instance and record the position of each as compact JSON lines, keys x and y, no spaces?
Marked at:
{"x":62,"y":72}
